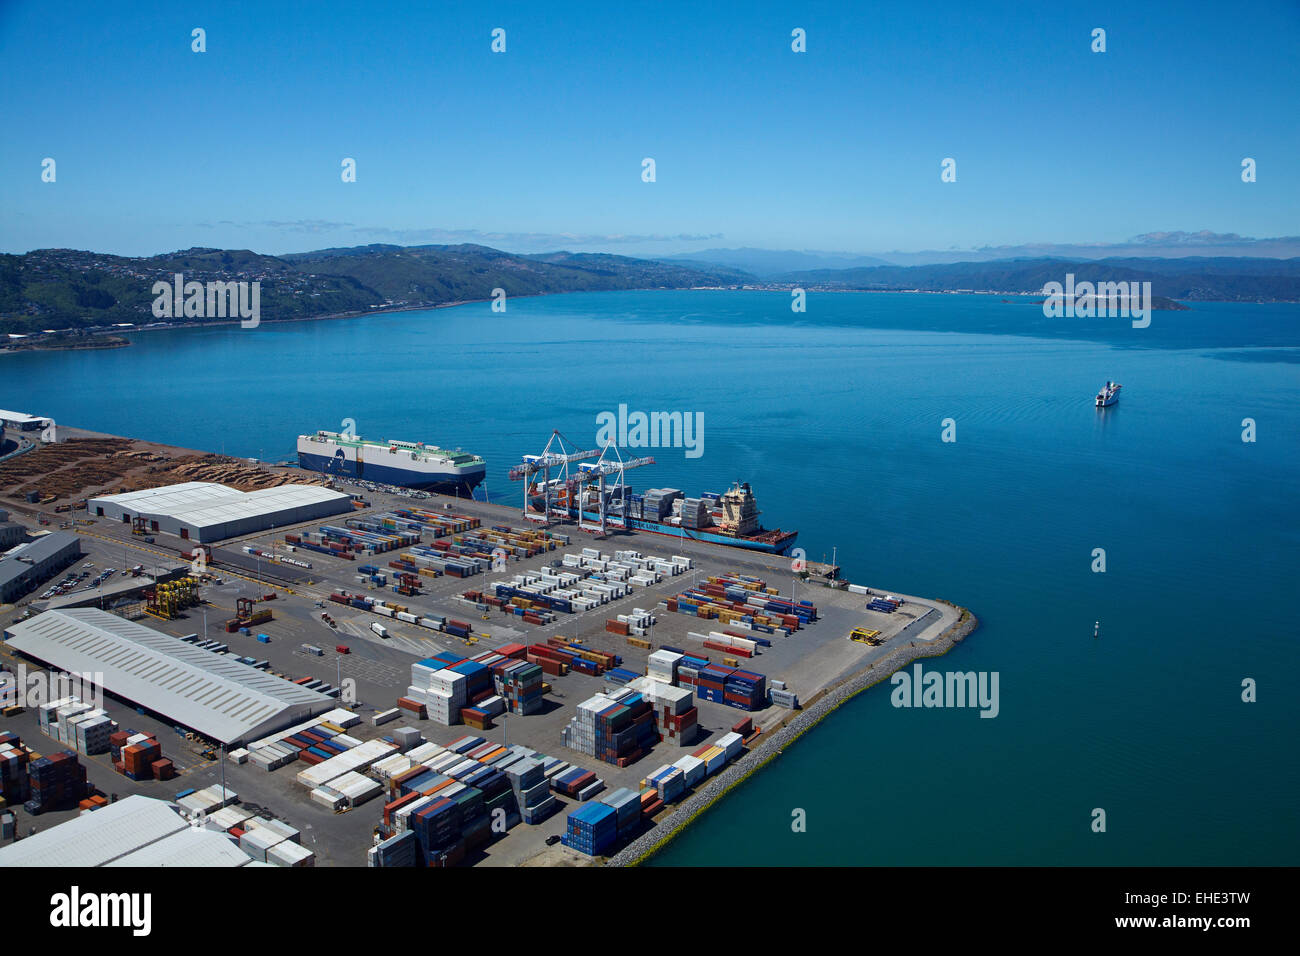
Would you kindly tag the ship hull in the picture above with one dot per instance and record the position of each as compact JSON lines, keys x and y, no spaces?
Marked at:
{"x":778,"y":544}
{"x":1107,"y":402}
{"x":463,"y":484}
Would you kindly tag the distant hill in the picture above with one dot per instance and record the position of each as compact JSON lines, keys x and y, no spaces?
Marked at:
{"x":65,"y":289}
{"x":1218,"y":279}
{"x":69,"y":289}
{"x":766,"y":263}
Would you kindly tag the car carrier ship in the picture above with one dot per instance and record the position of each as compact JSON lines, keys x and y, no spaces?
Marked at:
{"x":730,"y":519}
{"x":402,"y":463}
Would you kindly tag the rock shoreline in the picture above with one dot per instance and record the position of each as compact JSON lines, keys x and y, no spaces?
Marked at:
{"x":770,"y":746}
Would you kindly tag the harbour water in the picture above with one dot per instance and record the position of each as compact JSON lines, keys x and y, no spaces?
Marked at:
{"x":836,"y":417}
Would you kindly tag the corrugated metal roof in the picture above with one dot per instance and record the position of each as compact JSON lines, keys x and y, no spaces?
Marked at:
{"x":212,"y":693}
{"x":98,"y":838}
{"x":164,"y":499}
{"x":43,"y":548}
{"x":204,"y":503}
{"x":252,"y":504}
{"x":189,"y":847}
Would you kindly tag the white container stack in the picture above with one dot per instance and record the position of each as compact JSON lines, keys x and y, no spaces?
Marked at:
{"x":352,"y":788}
{"x":358,"y":758}
{"x":692,"y":768}
{"x":287,"y":853}
{"x":662,"y":666}
{"x":90,"y":731}
{"x":732,"y":743}
{"x":672,"y":707}
{"x":443,"y":692}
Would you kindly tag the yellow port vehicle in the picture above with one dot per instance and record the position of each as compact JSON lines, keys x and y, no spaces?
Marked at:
{"x":865,"y":635}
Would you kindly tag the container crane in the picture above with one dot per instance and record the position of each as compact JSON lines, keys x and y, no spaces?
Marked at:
{"x":558,"y":453}
{"x":598,"y":471}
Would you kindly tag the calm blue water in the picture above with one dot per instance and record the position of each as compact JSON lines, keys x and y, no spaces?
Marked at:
{"x":835,"y":418}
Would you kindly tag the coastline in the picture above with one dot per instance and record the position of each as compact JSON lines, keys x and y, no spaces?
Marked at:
{"x":819,"y":707}
{"x":1032,"y":298}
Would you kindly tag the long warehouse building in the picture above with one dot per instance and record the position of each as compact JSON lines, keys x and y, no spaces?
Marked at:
{"x":205,"y":511}
{"x":211,"y":694}
{"x":29,"y":565}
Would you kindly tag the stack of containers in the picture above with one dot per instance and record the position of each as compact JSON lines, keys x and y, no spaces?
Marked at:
{"x":627,"y":809}
{"x":714,"y":758}
{"x":138,"y":756}
{"x":61,"y":720}
{"x":531,"y":791}
{"x":732,"y":744}
{"x":91,"y":732}
{"x":688,"y":669}
{"x":692,"y":768}
{"x":711,"y":682}
{"x":746,"y":690}
{"x":577,"y":783}
{"x":784,"y":698}
{"x":663,"y":664}
{"x":695,"y":513}
{"x":617,"y":728}
{"x":440,"y":683}
{"x":676,"y":720}
{"x":520,"y":684}
{"x":592,"y":829}
{"x":13,"y":769}
{"x":400,"y":849}
{"x":478,"y":680}
{"x":45,"y":713}
{"x":669,"y":782}
{"x":57,"y":782}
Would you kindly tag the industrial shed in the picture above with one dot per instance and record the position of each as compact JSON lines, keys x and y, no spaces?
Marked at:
{"x":204,"y":511}
{"x":29,"y":565}
{"x":136,"y":831}
{"x":211,"y":694}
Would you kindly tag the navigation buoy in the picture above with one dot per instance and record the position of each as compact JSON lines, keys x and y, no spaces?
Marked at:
{"x":1096,"y":629}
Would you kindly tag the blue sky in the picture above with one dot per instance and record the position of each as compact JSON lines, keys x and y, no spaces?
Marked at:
{"x":839,"y":148}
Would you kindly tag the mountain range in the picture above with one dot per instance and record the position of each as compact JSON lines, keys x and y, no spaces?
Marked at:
{"x":65,"y":289}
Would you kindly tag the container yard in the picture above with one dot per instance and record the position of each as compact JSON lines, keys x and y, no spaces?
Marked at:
{"x":582,"y":685}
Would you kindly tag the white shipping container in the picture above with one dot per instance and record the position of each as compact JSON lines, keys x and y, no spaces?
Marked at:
{"x":290,"y":854}
{"x":327,"y":798}
{"x":255,"y":842}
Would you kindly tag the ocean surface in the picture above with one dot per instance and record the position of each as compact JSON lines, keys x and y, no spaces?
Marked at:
{"x":835,"y":416}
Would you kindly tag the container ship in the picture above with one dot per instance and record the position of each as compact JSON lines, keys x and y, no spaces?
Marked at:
{"x":1109,"y":394}
{"x":730,"y":519}
{"x":402,"y":463}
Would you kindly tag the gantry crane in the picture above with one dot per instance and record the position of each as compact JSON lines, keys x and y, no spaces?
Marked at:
{"x":558,"y":453}
{"x":609,"y":463}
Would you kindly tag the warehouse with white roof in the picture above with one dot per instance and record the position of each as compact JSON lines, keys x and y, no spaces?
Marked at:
{"x":205,"y":511}
{"x":211,"y":694}
{"x":136,"y":831}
